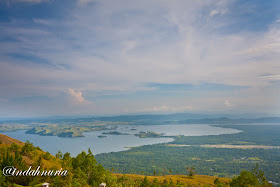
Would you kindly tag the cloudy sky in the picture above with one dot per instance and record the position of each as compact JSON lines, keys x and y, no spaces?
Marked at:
{"x":107,"y":57}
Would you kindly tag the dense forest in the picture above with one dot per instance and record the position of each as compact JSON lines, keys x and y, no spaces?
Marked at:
{"x":222,"y":162}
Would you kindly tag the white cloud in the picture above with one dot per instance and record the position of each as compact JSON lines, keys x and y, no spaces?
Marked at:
{"x":213,"y":13}
{"x":227,"y":103}
{"x":42,"y":21}
{"x":270,"y":77}
{"x":121,"y":45}
{"x":77,"y":96}
{"x":127,"y":46}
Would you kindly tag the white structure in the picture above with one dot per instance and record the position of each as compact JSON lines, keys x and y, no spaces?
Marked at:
{"x":46,"y":184}
{"x":102,"y":185}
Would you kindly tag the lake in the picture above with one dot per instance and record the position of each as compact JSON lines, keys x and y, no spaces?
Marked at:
{"x":114,"y":143}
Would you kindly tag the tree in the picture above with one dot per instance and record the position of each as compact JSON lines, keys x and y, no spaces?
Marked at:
{"x":250,"y":178}
{"x":39,"y":162}
{"x":260,"y":176}
{"x":246,"y":178}
{"x":218,"y":183}
{"x":47,"y":156}
{"x":191,"y":171}
{"x":18,"y":162}
{"x":58,"y":154}
{"x":14,"y":147}
{"x":80,"y":178}
{"x":145,"y":182}
{"x":67,"y":161}
{"x":7,"y":159}
{"x":27,"y":148}
{"x":2,"y":180}
{"x":155,"y":183}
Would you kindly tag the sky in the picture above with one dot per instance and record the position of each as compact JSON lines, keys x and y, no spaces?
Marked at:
{"x":108,"y":57}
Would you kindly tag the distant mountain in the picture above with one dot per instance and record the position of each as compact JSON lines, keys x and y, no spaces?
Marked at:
{"x":176,"y":117}
{"x":225,"y":120}
{"x":186,"y":118}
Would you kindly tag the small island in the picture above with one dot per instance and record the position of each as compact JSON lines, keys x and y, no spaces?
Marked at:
{"x":102,"y":128}
{"x":148,"y":134}
{"x":65,"y":129}
{"x":102,"y":136}
{"x":115,"y":133}
{"x":60,"y":131}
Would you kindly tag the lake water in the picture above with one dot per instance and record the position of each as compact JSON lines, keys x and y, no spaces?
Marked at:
{"x":114,"y":143}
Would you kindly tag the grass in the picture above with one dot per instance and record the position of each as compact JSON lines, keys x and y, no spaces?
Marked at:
{"x":197,"y":180}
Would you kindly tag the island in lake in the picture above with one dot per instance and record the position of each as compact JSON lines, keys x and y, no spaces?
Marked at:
{"x":115,"y":133}
{"x":102,"y":128}
{"x":69,"y":130}
{"x":149,"y":134}
{"x":60,"y":131}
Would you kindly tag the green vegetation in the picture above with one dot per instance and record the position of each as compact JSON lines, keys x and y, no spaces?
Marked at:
{"x":70,"y":131}
{"x":12,"y":127}
{"x":148,"y":134}
{"x":250,"y":178}
{"x":251,"y":135}
{"x":222,"y":162}
{"x":191,"y":171}
{"x":115,"y":133}
{"x":104,"y":128}
{"x":57,"y":130}
{"x":207,"y":161}
{"x":225,"y":120}
{"x":22,"y":156}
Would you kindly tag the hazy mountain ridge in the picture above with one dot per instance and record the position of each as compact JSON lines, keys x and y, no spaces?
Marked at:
{"x":178,"y":118}
{"x":225,"y":120}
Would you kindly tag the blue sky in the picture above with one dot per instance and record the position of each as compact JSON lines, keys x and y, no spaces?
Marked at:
{"x":106,"y":57}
